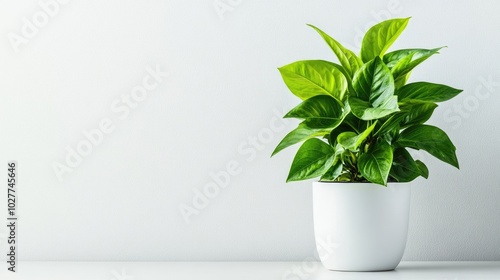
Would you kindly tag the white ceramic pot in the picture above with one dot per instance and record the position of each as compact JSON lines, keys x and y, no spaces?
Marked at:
{"x":361,"y":226}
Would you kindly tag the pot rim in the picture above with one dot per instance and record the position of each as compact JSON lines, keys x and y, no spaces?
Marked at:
{"x":362,"y":183}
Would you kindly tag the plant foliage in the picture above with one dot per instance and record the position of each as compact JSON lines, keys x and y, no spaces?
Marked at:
{"x":360,"y":117}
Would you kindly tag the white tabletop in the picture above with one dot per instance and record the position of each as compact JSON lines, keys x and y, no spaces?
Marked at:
{"x":243,"y":271}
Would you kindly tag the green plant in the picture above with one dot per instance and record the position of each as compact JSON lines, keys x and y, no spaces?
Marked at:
{"x":359,"y":116}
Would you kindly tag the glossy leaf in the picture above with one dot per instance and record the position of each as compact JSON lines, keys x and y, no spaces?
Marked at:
{"x":301,"y":133}
{"x":380,"y":37}
{"x":346,"y":139}
{"x":392,"y":135}
{"x":363,"y":109}
{"x":313,"y":159}
{"x":427,"y":92}
{"x":412,"y":60}
{"x":342,"y":70}
{"x":355,"y":123}
{"x":321,"y":106}
{"x":325,"y":123}
{"x":363,"y":136}
{"x":431,"y":139}
{"x":403,"y":61}
{"x":374,"y":88}
{"x":309,"y":78}
{"x":416,"y":112}
{"x":346,"y":75}
{"x":391,"y":123}
{"x":332,"y":137}
{"x":333,"y":172}
{"x":373,"y":83}
{"x":404,"y":168}
{"x":401,"y":81}
{"x":322,"y":123}
{"x":376,"y":163}
{"x":393,"y":58}
{"x":320,"y":111}
{"x":351,"y":141}
{"x":349,"y":61}
{"x":339,"y":150}
{"x":424,"y":171}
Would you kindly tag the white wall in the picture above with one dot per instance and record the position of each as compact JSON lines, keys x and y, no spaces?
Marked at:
{"x":121,"y":202}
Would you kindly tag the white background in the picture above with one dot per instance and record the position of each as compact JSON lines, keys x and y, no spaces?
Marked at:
{"x":122,"y":201}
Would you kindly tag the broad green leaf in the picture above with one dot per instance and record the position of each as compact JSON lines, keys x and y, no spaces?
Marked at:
{"x":424,"y":172}
{"x":332,"y":137}
{"x":391,"y":123}
{"x":321,"y":111}
{"x":347,"y":58}
{"x":401,"y":81}
{"x":347,"y":139}
{"x":427,"y":92}
{"x":313,"y":159}
{"x":380,"y":37}
{"x":394,"y":58}
{"x":321,"y":106}
{"x":355,"y":123}
{"x":374,"y":88}
{"x":343,"y":71}
{"x":362,"y":137}
{"x":404,"y":168}
{"x":373,"y":83}
{"x":351,"y":141}
{"x":333,"y":172}
{"x":301,"y":133}
{"x":309,"y":78}
{"x":318,"y":123}
{"x":392,"y":135}
{"x":431,"y":139}
{"x":364,"y":110}
{"x":339,"y":150}
{"x":416,"y":112}
{"x":346,"y":75}
{"x":376,"y":163}
{"x":399,"y":67}
{"x":412,"y":60}
{"x":322,"y":123}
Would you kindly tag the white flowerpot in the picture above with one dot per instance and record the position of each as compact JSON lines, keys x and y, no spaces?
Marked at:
{"x":361,"y":226}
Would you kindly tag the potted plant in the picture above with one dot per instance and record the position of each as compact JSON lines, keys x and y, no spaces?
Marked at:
{"x":359,"y":118}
